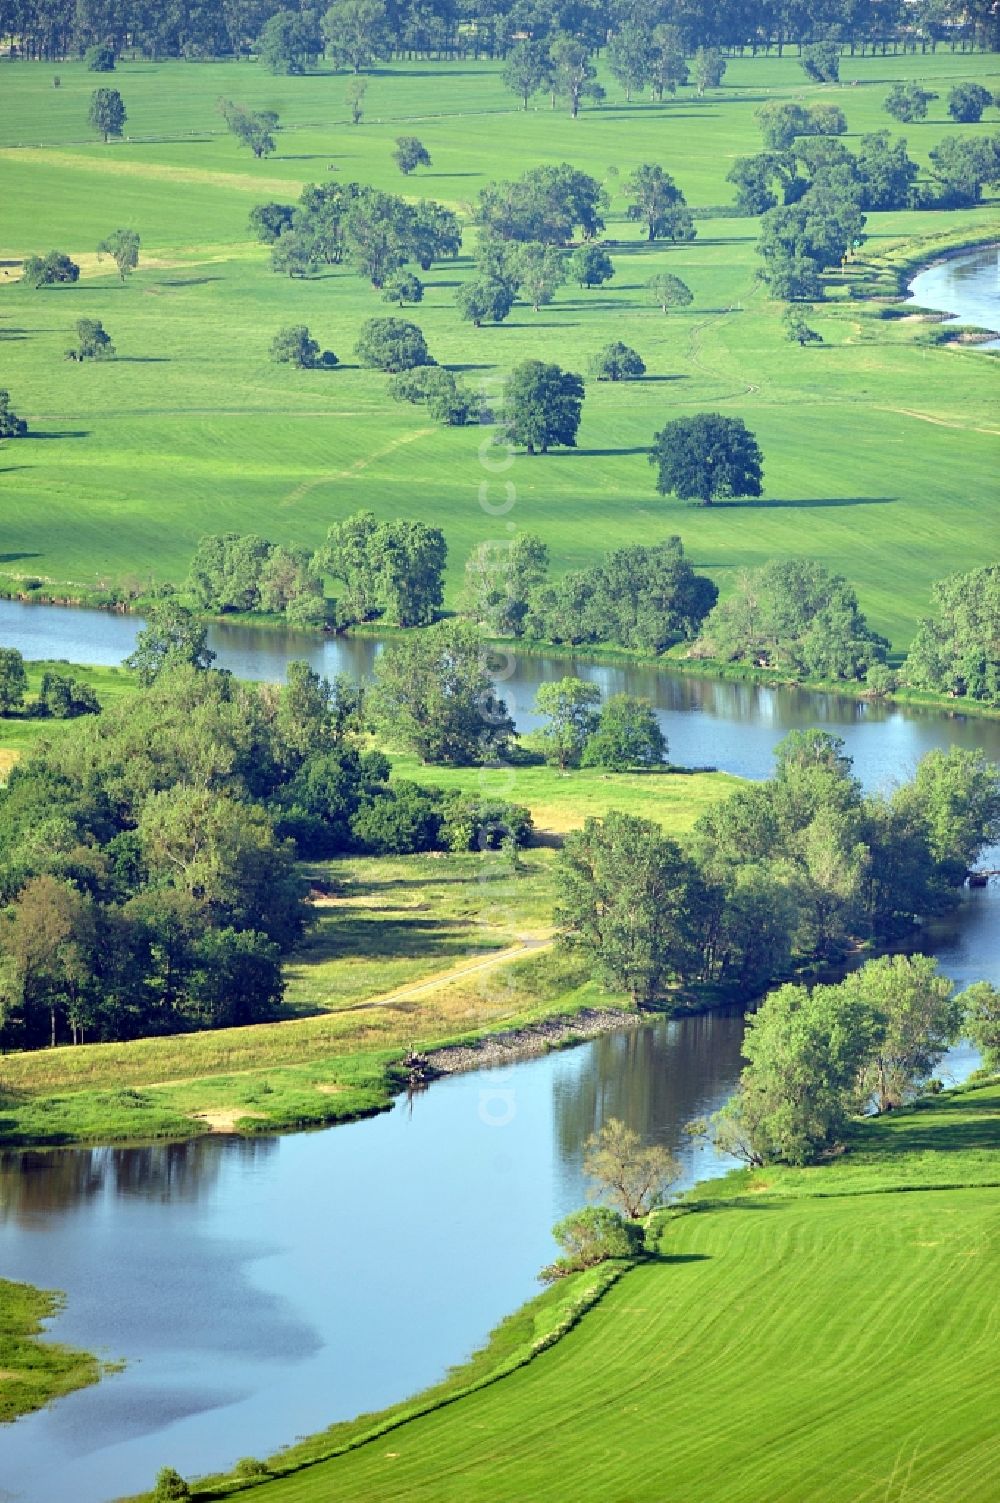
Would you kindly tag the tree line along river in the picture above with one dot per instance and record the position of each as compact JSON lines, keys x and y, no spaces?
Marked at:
{"x":260,"y":1289}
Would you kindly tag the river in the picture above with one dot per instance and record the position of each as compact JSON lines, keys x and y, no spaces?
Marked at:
{"x":261,"y":1289}
{"x":967,"y":286}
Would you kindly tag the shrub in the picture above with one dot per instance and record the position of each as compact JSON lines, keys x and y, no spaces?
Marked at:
{"x":170,"y":1486}
{"x":592,"y":1236}
{"x":63,"y":697}
{"x":294,"y":345}
{"x":471,"y":823}
{"x":406,"y":818}
{"x":391,"y":344}
{"x":47,"y":271}
{"x":617,"y":362}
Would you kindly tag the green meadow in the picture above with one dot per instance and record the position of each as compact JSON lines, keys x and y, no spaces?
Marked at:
{"x":876,"y":446}
{"x":33,"y":1372}
{"x":813,"y":1333}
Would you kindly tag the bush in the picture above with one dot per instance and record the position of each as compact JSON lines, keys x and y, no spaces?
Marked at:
{"x":617,"y":362}
{"x":590,"y":1237}
{"x":11,"y":426}
{"x":294,"y":345}
{"x":92,"y":341}
{"x":63,"y":697}
{"x":403,"y":820}
{"x":100,"y":59}
{"x":248,"y":1468}
{"x":170,"y":1486}
{"x":448,"y":401}
{"x":391,"y":344}
{"x":410,"y":153}
{"x":47,"y":271}
{"x":478,"y":824}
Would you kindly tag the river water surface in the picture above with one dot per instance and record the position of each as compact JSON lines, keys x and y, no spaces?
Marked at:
{"x":967,"y":286}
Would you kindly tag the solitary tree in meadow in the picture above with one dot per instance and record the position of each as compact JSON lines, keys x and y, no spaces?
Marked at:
{"x":542,"y":405}
{"x":410,"y":154}
{"x":123,"y":247}
{"x":11,"y":426}
{"x":617,"y":362}
{"x":573,"y":74}
{"x":526,"y":69}
{"x":669,"y":292}
{"x":50,"y":270}
{"x":107,"y":113}
{"x":253,"y":128}
{"x":591,"y":266}
{"x":658,"y":203}
{"x":797,"y":331}
{"x":93,"y":342}
{"x":355,"y":98}
{"x":705,"y":457}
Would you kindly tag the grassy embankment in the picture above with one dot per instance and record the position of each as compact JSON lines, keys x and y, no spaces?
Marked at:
{"x":876,"y":445}
{"x":406,"y":952}
{"x":33,"y":1372}
{"x":800,"y":1333}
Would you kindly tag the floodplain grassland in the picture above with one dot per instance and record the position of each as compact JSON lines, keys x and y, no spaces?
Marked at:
{"x":877,"y":447}
{"x":32,"y":1372}
{"x":404,"y":953}
{"x":798,"y":1333}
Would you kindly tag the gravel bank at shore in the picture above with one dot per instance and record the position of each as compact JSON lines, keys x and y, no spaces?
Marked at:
{"x":522,"y":1043}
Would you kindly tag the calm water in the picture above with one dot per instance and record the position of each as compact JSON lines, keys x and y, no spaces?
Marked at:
{"x":708,"y":723}
{"x":260,"y":1290}
{"x":967,"y":286}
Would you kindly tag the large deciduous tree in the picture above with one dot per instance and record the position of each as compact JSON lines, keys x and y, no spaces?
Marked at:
{"x":656,"y":201}
{"x":706,"y":457}
{"x":107,"y":113}
{"x":542,"y":406}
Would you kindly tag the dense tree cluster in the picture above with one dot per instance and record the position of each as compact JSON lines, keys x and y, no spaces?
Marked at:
{"x":957,"y":648}
{"x":393,"y":571}
{"x":148,"y":861}
{"x":793,"y":615}
{"x":546,"y":204}
{"x":245,"y":573}
{"x":644,"y":43}
{"x":377,"y":233}
{"x":818,"y":1057}
{"x":801,"y":867}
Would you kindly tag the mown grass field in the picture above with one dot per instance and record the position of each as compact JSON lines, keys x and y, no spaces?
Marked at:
{"x":800,"y":1334}
{"x":404,"y":952}
{"x":876,"y":448}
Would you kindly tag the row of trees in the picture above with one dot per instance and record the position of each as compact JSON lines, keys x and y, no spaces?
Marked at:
{"x":819,"y":1057}
{"x":801,"y":868}
{"x":357,"y":32}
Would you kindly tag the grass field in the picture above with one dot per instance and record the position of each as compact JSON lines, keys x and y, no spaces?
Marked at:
{"x":405,"y":952}
{"x":33,"y":1372}
{"x":876,"y":447}
{"x":801,"y":1334}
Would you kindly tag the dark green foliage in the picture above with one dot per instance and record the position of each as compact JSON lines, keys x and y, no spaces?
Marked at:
{"x":171,"y":638}
{"x":100,"y":59}
{"x":540,"y":271}
{"x":656,"y":201}
{"x":294,"y":345}
{"x":235,"y":979}
{"x":821,"y":61}
{"x":242,"y":572}
{"x":542,"y":406}
{"x":706,"y":457}
{"x":783,"y":123}
{"x":668,"y":69}
{"x":92,"y":341}
{"x":572,"y":73}
{"x":546,"y":204}
{"x":802,"y":239}
{"x":435,"y":695}
{"x":64,"y":697}
{"x":289,"y":41}
{"x":627,"y":736}
{"x":592,"y":1236}
{"x":626,"y":895}
{"x":107,"y":113}
{"x":794,"y":615}
{"x":391,"y":344}
{"x":393,"y":570}
{"x":486,"y":298}
{"x":649,"y":598}
{"x":318,"y":806}
{"x":908,"y":102}
{"x":499,"y":580}
{"x":617,"y":362}
{"x":887,"y":174}
{"x":797,"y":331}
{"x":761,"y":181}
{"x":471,"y":823}
{"x":170,"y":1486}
{"x":269,"y":221}
{"x":402,"y":820}
{"x":253,"y":128}
{"x":955,"y":650}
{"x":630,"y":57}
{"x":295,"y":254}
{"x":526,"y":69}
{"x":355,"y":32}
{"x":410,"y":154}
{"x":402,"y":288}
{"x":11,"y":426}
{"x":591,"y":266}
{"x":448,"y":400}
{"x":13,"y":680}
{"x":981,"y":1003}
{"x":966,"y":102}
{"x":50,"y":270}
{"x":963,"y":167}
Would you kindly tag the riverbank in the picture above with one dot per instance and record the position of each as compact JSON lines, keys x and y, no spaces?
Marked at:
{"x":900,"y":1363}
{"x":34,"y":1370}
